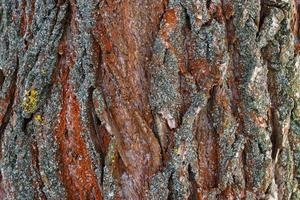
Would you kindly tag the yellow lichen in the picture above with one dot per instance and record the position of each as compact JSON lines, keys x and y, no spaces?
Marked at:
{"x":38,"y":118}
{"x":176,"y":151}
{"x":112,"y":157}
{"x":30,"y":100}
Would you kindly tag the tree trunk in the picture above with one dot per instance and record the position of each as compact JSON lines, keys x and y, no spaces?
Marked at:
{"x":149,"y":99}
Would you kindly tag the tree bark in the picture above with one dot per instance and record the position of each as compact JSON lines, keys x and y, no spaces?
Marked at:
{"x":149,"y":99}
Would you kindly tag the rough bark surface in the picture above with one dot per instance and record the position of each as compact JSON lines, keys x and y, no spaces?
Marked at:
{"x":149,"y":99}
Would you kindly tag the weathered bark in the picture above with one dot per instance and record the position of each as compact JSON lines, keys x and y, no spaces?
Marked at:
{"x":149,"y":99}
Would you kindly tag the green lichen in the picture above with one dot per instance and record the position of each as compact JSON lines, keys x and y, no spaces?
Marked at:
{"x":30,"y":100}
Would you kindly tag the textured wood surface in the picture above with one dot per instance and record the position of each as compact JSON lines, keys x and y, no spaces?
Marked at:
{"x":149,"y":99}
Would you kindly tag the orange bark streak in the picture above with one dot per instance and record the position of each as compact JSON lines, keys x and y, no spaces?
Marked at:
{"x":78,"y":175}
